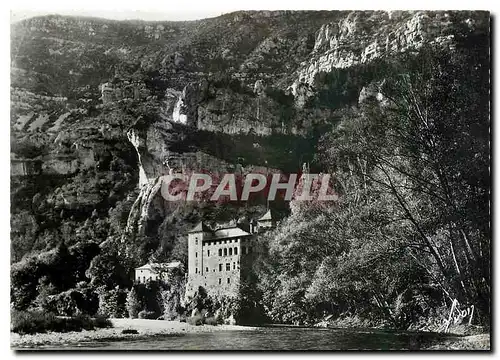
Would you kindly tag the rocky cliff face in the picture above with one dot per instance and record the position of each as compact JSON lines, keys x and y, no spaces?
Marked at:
{"x":100,"y":99}
{"x":361,"y":37}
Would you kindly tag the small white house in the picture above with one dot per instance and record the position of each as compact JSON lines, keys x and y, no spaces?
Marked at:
{"x":155,"y":271}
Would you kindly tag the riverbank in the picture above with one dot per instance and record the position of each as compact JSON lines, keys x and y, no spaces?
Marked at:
{"x":156,"y":331}
{"x":145,"y":329}
{"x":471,"y":342}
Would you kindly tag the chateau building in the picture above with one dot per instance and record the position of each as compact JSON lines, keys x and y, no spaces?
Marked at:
{"x":217,"y":258}
{"x":150,"y":272}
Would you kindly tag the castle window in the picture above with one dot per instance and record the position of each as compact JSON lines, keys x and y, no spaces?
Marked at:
{"x":196,"y":242}
{"x":243,"y":250}
{"x":220,"y":281}
{"x":230,"y":251}
{"x":234,"y":266}
{"x":220,"y":267}
{"x":196,"y":254}
{"x":206,"y":269}
{"x":220,"y":252}
{"x":228,"y":280}
{"x":143,"y":279}
{"x":208,"y":252}
{"x":196,"y":271}
{"x":228,"y":266}
{"x":235,"y":251}
{"x":225,"y":252}
{"x":249,"y":250}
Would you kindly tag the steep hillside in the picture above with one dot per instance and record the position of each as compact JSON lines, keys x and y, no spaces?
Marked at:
{"x":100,"y":109}
{"x":246,"y":87}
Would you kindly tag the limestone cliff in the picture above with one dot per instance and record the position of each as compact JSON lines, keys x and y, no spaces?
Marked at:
{"x":361,"y":37}
{"x":108,"y":107}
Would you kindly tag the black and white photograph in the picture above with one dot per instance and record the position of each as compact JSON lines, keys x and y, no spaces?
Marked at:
{"x":250,"y":180}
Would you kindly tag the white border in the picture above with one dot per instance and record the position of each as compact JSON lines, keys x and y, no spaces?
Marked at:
{"x":179,"y":10}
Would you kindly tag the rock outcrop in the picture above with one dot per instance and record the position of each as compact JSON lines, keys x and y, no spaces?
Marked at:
{"x":361,"y":37}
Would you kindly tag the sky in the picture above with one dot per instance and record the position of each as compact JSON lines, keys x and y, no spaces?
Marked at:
{"x":178,"y":15}
{"x":156,"y":10}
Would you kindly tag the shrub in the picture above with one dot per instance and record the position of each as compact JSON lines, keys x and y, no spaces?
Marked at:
{"x":195,"y":320}
{"x":24,"y":322}
{"x":77,"y":323}
{"x":211,"y":321}
{"x":144,"y":314}
{"x":171,"y":301}
{"x":70,"y":303}
{"x":145,"y":297}
{"x":112,"y":303}
{"x":102,"y":322}
{"x":50,"y":272}
{"x":31,"y":322}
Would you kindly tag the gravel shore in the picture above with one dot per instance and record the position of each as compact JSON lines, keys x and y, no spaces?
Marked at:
{"x":145,"y":328}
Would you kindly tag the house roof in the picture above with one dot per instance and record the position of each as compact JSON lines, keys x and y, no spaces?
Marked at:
{"x":153,"y":266}
{"x":267,"y":216}
{"x":201,"y":227}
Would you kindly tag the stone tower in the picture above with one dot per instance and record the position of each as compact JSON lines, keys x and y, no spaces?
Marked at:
{"x":219,"y":258}
{"x":195,"y":248}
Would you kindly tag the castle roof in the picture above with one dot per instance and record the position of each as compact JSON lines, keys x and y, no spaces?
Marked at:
{"x":154,"y":266}
{"x":229,"y":232}
{"x":201,"y":227}
{"x":267,"y":216}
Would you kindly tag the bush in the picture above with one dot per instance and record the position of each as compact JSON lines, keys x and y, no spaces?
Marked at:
{"x":50,"y":272}
{"x":195,"y":320}
{"x":102,"y":322}
{"x":24,"y":322}
{"x":112,"y":303}
{"x":31,"y":322}
{"x":146,"y":299}
{"x":211,"y":321}
{"x":151,"y":315}
{"x":72,"y":302}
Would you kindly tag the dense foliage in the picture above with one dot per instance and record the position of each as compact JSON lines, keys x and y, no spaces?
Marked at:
{"x":410,"y":232}
{"x":31,"y":322}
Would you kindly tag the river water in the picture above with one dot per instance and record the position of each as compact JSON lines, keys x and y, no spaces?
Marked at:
{"x":275,"y":338}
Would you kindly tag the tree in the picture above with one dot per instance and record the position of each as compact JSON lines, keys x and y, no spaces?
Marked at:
{"x":133,"y":303}
{"x":427,"y":148}
{"x":108,"y":270}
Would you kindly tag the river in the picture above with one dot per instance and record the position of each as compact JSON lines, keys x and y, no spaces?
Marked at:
{"x":274,"y":338}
